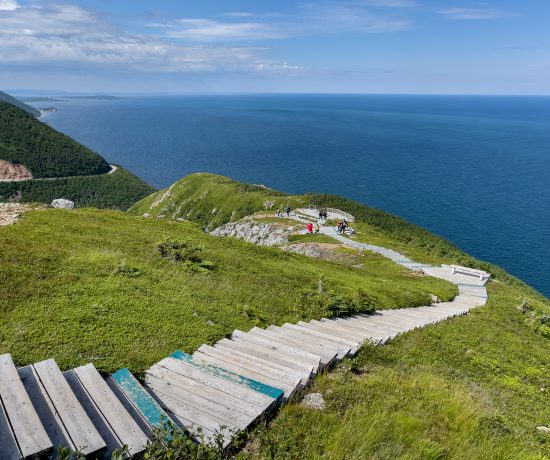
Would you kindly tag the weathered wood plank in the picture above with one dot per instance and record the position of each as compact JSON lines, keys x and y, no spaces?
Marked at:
{"x":8,"y":444}
{"x":140,"y":399}
{"x":285,"y":350}
{"x":232,"y":411}
{"x":260,"y":387}
{"x":241,"y":393}
{"x":78,"y":425}
{"x":118,"y":418}
{"x":289,"y":380}
{"x":29,"y":432}
{"x":44,"y":408}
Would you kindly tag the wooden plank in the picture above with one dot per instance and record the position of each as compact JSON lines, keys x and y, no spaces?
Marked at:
{"x":260,"y":387}
{"x":140,"y":399}
{"x":208,"y":400}
{"x":260,"y":401}
{"x":170,"y":396}
{"x":169,"y":370}
{"x":106,"y":432}
{"x":261,"y":357}
{"x":338,"y":330}
{"x":261,"y":352}
{"x":326,"y":335}
{"x":341,"y":350}
{"x":285,"y":350}
{"x":29,"y":432}
{"x":326,"y":358}
{"x":8,"y":444}
{"x":118,"y":418}
{"x":44,"y":408}
{"x":225,"y":363}
{"x":288,"y":379}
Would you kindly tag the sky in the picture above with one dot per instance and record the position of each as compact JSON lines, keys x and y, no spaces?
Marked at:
{"x":226,"y":46}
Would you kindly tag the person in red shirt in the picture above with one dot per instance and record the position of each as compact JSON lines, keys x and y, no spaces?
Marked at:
{"x":310,"y":228}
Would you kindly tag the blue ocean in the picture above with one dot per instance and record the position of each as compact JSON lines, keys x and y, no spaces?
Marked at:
{"x":475,"y":170}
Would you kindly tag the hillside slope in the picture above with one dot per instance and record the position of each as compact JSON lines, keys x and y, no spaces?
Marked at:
{"x":44,"y":151}
{"x":4,"y":97}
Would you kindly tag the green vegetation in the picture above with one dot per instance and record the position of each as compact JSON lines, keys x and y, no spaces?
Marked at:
{"x":118,"y":190}
{"x":4,"y":97}
{"x":473,"y":387}
{"x":89,"y":285}
{"x":46,"y":152}
{"x":212,"y":200}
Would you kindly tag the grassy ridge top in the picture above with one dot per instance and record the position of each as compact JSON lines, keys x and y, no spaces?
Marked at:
{"x":46,"y":152}
{"x":4,"y":97}
{"x":92,"y":285}
{"x":212,"y":200}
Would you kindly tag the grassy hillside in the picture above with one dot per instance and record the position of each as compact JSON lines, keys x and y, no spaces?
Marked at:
{"x":4,"y":97}
{"x":119,"y":190}
{"x":46,"y":152}
{"x":475,"y":387}
{"x":92,"y":285}
{"x":212,"y":200}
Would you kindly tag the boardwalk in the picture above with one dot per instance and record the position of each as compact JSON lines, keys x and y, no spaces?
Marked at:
{"x":227,"y":387}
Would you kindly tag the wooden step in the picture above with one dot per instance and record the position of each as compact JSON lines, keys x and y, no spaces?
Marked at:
{"x":237,"y":368}
{"x":81,"y":431}
{"x":353,"y":343}
{"x":330,"y":347}
{"x":262,"y":358}
{"x":287,"y":381}
{"x":108,"y":412}
{"x":263,"y":353}
{"x":127,"y":388}
{"x":235,"y":377}
{"x":259,"y":401}
{"x":193,"y":420}
{"x":23,"y":434}
{"x":338,"y":329}
{"x":230,"y":410}
{"x":326,"y":358}
{"x":286,"y":351}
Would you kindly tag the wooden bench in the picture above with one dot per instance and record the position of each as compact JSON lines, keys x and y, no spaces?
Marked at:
{"x":469,"y":271}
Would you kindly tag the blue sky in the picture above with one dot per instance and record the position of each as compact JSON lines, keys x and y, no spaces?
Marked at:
{"x":364,"y":46}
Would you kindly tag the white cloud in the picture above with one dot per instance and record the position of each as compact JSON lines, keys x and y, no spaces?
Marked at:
{"x":465,"y":14}
{"x":8,"y":5}
{"x":206,"y":30}
{"x":67,"y":36}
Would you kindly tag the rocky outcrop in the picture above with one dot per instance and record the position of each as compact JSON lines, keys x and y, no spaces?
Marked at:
{"x":62,"y":203}
{"x":10,"y":171}
{"x":262,"y":234}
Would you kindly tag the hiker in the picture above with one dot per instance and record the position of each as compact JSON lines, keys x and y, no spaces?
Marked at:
{"x":288,"y":211}
{"x":339,"y":227}
{"x":317,"y":228}
{"x":310,"y":228}
{"x":320,"y":214}
{"x":279,"y":212}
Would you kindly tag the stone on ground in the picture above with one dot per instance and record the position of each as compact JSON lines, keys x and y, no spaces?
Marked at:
{"x":314,"y":401}
{"x":62,"y":203}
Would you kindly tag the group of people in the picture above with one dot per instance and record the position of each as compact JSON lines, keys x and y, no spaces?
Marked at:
{"x":309,"y":228}
{"x":323,"y":214}
{"x":280,"y":214}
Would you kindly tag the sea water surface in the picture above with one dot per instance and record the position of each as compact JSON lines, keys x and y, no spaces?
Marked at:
{"x":475,"y":170}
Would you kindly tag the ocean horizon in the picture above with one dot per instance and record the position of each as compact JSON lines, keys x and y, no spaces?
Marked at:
{"x":473,"y":169}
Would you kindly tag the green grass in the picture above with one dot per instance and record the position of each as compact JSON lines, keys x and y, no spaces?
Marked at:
{"x":212,"y":200}
{"x":89,"y":285}
{"x":313,"y":238}
{"x":468,"y":388}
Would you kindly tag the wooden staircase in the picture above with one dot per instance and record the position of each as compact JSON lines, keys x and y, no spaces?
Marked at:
{"x":216,"y":392}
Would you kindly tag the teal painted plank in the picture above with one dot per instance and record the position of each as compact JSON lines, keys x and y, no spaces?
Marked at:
{"x":139,"y":397}
{"x":268,"y":390}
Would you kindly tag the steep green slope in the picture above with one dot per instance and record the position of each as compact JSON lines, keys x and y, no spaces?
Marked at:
{"x":46,"y":152}
{"x":4,"y":97}
{"x":212,"y":200}
{"x":118,"y":190}
{"x":92,"y":285}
